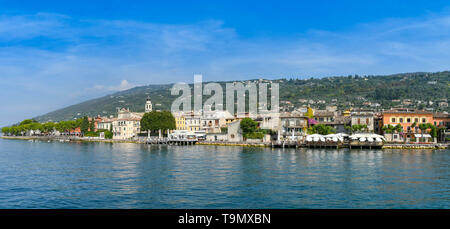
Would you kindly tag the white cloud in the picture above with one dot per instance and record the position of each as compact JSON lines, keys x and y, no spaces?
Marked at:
{"x":124,"y":85}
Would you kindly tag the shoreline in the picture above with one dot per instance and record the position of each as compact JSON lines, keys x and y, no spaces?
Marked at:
{"x":386,"y":146}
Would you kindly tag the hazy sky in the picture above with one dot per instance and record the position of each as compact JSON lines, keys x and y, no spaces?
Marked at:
{"x":55,"y":53}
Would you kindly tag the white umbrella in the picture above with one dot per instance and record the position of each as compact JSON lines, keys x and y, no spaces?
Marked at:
{"x":363,"y":139}
{"x":370,"y":139}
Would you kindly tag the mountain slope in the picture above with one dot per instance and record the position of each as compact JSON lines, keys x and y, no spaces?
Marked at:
{"x":354,"y":90}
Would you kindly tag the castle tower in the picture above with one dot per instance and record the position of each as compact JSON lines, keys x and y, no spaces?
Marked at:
{"x":148,"y":105}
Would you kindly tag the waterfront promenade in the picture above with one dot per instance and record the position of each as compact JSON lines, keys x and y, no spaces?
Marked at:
{"x":274,"y":144}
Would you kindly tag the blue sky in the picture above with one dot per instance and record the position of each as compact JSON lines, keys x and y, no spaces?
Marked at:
{"x":58,"y":53}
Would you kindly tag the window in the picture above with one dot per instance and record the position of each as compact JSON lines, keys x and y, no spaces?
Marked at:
{"x":408,"y":120}
{"x":401,"y":120}
{"x":424,"y":120}
{"x":416,"y":120}
{"x":367,"y":121}
{"x":393,"y":120}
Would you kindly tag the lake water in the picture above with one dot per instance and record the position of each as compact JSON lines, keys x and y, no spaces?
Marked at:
{"x":103,"y":175}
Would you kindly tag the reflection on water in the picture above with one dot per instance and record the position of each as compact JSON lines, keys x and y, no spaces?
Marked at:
{"x":102,"y":175}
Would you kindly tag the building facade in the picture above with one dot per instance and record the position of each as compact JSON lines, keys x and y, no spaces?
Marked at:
{"x":363,"y":117}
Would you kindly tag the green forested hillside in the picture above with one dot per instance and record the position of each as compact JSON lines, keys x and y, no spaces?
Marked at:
{"x":343,"y":91}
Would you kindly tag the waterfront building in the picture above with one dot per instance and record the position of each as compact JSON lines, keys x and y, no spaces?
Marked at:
{"x":324,"y":116}
{"x":213,"y":121}
{"x":105,"y":123}
{"x":270,"y":120}
{"x":442,"y":120}
{"x":180,"y":121}
{"x":232,"y":133}
{"x":192,"y":121}
{"x":340,"y":122}
{"x":408,"y":119}
{"x":378,"y":123}
{"x":363,"y":117}
{"x":127,"y":124}
{"x":334,"y":119}
{"x":293,"y":124}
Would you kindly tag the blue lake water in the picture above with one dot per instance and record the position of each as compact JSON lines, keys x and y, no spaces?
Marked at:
{"x":103,"y":175}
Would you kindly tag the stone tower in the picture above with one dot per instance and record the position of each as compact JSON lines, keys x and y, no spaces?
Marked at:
{"x":148,"y":105}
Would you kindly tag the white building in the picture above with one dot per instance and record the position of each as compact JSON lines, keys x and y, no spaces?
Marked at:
{"x":105,"y":124}
{"x":127,"y":125}
{"x":213,"y":121}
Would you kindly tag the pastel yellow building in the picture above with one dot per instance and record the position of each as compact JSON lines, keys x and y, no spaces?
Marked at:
{"x":180,"y":122}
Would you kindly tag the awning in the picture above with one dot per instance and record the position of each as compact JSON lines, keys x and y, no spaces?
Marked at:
{"x":422,"y":135}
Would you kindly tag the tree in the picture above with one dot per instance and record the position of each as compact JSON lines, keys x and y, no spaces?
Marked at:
{"x":423,"y":127}
{"x":433,"y":129}
{"x":84,"y":126}
{"x":6,"y":130}
{"x":108,"y":134}
{"x":413,"y":126}
{"x":250,"y":129}
{"x":321,"y":129}
{"x":356,"y":128}
{"x":92,"y":125}
{"x":389,"y":129}
{"x":48,"y":127}
{"x":248,"y":126}
{"x":26,"y":121}
{"x":157,"y":120}
{"x":309,"y":113}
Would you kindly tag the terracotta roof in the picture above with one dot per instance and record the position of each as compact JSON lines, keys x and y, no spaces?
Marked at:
{"x":322,"y":113}
{"x":441,"y":115}
{"x":406,"y":111}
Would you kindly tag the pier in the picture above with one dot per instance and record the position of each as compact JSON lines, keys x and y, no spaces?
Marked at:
{"x":166,"y":141}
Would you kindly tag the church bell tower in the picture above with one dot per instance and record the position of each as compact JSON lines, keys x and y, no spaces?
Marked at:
{"x":148,"y":105}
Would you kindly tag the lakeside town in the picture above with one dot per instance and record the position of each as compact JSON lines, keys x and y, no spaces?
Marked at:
{"x":302,"y":127}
